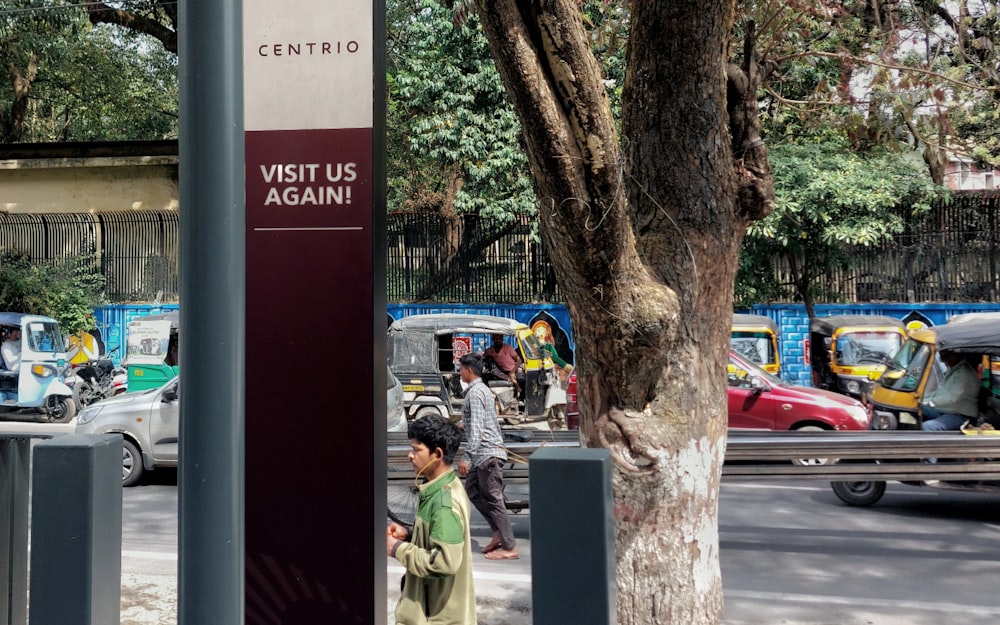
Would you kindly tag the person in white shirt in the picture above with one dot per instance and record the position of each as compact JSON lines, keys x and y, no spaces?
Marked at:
{"x":11,"y":349}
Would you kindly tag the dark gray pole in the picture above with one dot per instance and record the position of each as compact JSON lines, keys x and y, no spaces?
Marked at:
{"x":76,"y":530}
{"x":211,"y":499}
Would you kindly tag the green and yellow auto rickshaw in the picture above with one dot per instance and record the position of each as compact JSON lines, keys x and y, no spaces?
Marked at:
{"x":846,"y":352}
{"x":152,"y":357}
{"x":755,"y":337}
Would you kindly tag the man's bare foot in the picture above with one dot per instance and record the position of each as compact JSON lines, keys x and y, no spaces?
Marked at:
{"x":493,"y":545}
{"x":503,"y":554}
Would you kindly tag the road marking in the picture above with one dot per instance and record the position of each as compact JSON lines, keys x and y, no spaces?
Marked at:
{"x":918,"y":606}
{"x":878,"y":604}
{"x":771,"y":486}
{"x":149,"y":555}
{"x":515,"y":578}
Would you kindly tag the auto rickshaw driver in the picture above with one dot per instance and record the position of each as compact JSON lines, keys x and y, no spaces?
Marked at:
{"x":10,"y":351}
{"x":956,"y":400}
{"x":507,"y":362}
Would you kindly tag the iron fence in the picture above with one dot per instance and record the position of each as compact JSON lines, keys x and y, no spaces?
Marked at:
{"x":948,"y":254}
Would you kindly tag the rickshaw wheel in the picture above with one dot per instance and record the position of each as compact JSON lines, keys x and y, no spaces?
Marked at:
{"x":858,"y":493}
{"x":60,"y":409}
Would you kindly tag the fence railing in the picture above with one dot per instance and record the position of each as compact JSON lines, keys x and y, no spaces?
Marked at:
{"x":951,"y":253}
{"x":756,"y":454}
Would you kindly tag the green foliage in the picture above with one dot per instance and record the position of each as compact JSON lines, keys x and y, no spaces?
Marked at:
{"x":454,"y":140}
{"x":67,"y":291}
{"x":82,"y":82}
{"x":828,"y":200}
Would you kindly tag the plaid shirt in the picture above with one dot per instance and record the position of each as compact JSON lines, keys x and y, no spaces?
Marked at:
{"x":482,"y":429}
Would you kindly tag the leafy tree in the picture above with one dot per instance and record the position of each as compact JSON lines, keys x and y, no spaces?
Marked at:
{"x":455,"y":141}
{"x":919,"y":75}
{"x":67,"y":291}
{"x":71,"y":81}
{"x":643,"y":227}
{"x":829,"y":200}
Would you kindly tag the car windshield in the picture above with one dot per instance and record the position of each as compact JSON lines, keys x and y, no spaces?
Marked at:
{"x":910,"y":360}
{"x":756,"y":347}
{"x":756,"y":371}
{"x":857,"y":348}
{"x":44,"y":336}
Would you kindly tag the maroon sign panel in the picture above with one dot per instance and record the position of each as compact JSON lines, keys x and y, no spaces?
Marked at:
{"x":309,"y":399}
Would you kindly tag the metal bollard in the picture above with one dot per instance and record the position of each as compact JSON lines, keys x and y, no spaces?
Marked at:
{"x":571,"y":505}
{"x":14,"y":530}
{"x":76,"y":531}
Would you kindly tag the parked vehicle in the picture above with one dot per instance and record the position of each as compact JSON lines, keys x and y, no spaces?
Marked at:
{"x":916,"y":369}
{"x":424,"y":351}
{"x":847,"y":352}
{"x":37,"y":379}
{"x":395,"y":415}
{"x":572,"y":409}
{"x":149,"y":422}
{"x":152,"y":355}
{"x":755,"y":337}
{"x":760,"y":400}
{"x":96,"y":380}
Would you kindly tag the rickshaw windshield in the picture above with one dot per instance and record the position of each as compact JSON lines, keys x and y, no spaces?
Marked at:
{"x":857,"y":348}
{"x":532,"y":348}
{"x":44,"y":337}
{"x":911,"y":359}
{"x":413,"y":352}
{"x":757,"y":347}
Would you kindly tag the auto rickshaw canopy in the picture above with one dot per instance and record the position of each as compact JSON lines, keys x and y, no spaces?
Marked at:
{"x":413,"y":345}
{"x":975,"y":336}
{"x":748,"y":323}
{"x":828,"y":326}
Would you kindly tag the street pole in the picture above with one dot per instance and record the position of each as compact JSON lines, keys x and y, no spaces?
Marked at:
{"x":212,"y":327}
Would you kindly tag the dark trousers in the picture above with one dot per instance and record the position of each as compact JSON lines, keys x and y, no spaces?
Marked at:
{"x":484,"y":485}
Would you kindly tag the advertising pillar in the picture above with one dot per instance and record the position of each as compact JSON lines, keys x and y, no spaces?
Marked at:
{"x":315,"y":314}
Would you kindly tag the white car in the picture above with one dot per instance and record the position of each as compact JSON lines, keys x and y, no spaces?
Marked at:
{"x":149,"y":422}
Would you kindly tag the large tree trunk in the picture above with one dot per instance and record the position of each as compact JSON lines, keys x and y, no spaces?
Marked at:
{"x":645,"y":240}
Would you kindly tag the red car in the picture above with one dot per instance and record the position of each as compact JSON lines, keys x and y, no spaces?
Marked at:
{"x":572,"y":411}
{"x":760,"y":400}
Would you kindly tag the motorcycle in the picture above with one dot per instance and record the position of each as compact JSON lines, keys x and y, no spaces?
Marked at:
{"x":97,"y":380}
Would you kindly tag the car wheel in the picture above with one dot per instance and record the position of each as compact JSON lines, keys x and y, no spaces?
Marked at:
{"x":60,"y":409}
{"x":811,"y":461}
{"x":83,"y":394}
{"x":131,"y":463}
{"x":427,"y":411}
{"x":858,"y":493}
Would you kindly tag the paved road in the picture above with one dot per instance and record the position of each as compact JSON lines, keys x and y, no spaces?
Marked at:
{"x":792,"y":554}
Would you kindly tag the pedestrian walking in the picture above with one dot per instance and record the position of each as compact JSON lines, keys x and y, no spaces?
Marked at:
{"x":437,"y":554}
{"x":483,"y":470}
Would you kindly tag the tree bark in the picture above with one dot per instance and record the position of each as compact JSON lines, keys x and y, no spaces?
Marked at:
{"x":12,"y":130}
{"x":644,"y":233}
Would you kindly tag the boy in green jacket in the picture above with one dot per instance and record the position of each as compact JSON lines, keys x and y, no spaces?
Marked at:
{"x":437,"y":553}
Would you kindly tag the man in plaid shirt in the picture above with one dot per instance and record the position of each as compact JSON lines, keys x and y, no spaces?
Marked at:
{"x":486,"y":452}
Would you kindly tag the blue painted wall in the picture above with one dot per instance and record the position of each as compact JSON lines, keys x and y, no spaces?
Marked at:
{"x":791,"y":319}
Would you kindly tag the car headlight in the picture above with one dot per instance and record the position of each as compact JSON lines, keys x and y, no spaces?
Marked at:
{"x":853,"y":386}
{"x":87,"y":414}
{"x":859,"y":414}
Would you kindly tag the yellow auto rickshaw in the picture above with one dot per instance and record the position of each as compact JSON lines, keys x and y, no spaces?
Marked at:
{"x":916,"y":370}
{"x":755,"y":337}
{"x":846,"y":352}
